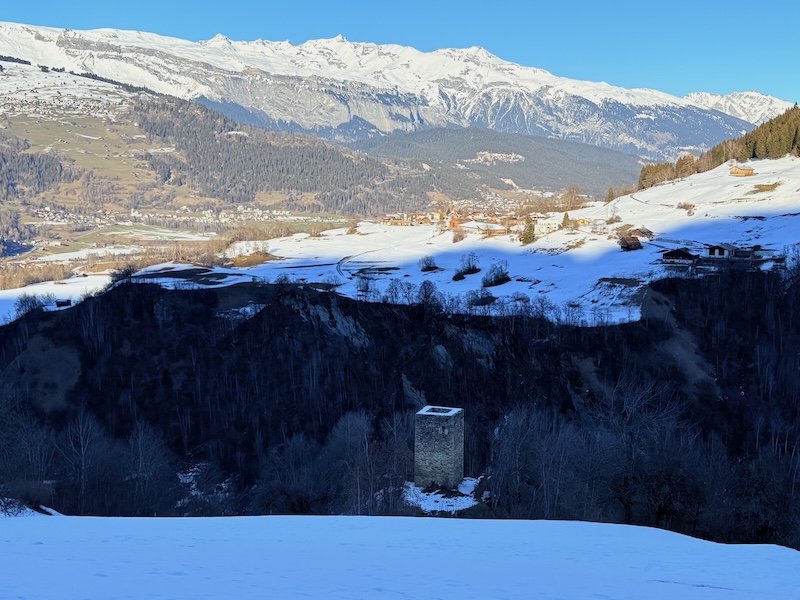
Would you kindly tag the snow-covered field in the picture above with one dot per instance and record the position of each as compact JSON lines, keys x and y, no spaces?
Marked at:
{"x":97,"y":253}
{"x":578,"y":274}
{"x":74,"y":289}
{"x":581,"y":270}
{"x":378,"y":557}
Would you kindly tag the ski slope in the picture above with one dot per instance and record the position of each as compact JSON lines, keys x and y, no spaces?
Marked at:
{"x":350,"y":558}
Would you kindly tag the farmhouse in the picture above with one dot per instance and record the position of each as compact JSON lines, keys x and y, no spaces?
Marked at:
{"x":630,"y":242}
{"x":679,"y":256}
{"x":722,"y":251}
{"x":641,"y":232}
{"x":741,"y":171}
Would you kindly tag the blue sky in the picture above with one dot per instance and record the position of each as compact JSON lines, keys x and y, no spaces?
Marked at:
{"x":678,"y":46}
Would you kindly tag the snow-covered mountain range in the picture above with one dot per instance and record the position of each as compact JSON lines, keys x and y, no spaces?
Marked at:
{"x":347,"y":90}
{"x":749,"y":106}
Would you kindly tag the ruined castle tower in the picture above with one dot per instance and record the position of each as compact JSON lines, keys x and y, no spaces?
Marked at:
{"x":439,"y":446}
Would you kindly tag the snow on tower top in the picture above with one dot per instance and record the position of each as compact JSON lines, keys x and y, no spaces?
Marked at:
{"x":440,"y":411}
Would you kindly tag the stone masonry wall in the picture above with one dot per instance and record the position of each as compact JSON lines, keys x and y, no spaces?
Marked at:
{"x":439,"y":446}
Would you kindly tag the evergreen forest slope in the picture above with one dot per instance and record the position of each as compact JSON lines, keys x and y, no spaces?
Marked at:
{"x":530,"y":162}
{"x":773,"y":139}
{"x":226,"y":160}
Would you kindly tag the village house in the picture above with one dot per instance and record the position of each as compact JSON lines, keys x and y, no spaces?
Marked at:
{"x":718,"y":251}
{"x":599,"y":226}
{"x":641,"y":232}
{"x":679,"y":256}
{"x":545,"y":225}
{"x":630,"y":242}
{"x":764,"y":253}
{"x":746,"y":254}
{"x":418,"y":218}
{"x":396,"y":219}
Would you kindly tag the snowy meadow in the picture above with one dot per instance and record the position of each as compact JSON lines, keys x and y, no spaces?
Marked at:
{"x":378,"y":557}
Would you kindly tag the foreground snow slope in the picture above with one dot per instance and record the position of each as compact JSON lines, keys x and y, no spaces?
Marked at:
{"x":363,"y":557}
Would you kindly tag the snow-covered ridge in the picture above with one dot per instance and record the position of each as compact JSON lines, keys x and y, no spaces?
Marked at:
{"x":390,"y":66}
{"x":322,"y":85}
{"x":750,"y":106}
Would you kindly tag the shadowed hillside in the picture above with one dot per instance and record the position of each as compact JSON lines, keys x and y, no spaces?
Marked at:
{"x":293,"y":401}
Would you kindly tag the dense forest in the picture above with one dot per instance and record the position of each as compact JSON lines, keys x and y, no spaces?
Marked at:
{"x":234,"y":162}
{"x":687,"y":420}
{"x":24,"y":173}
{"x":12,"y":229}
{"x":774,"y":139}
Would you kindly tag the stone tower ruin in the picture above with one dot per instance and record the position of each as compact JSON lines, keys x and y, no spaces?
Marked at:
{"x":439,"y":446}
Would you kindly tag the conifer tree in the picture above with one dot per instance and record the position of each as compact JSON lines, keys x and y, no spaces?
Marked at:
{"x":685,"y":166}
{"x":528,"y":235}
